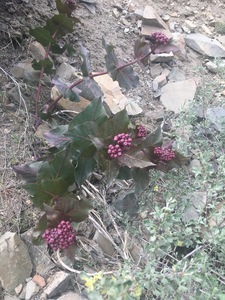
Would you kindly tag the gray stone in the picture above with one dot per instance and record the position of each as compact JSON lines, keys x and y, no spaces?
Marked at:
{"x":127,"y":203}
{"x":71,"y":296}
{"x":65,"y":71}
{"x":176,"y":75}
{"x":37,"y":51}
{"x":152,"y":22}
{"x":211,"y":67}
{"x":156,"y":115}
{"x":176,"y":95}
{"x":194,"y":164}
{"x":204,"y":45}
{"x":192,"y":26}
{"x":216,"y":115}
{"x":179,"y":42}
{"x":105,"y":245}
{"x":39,"y":254}
{"x":9,"y":297}
{"x":156,"y":70}
{"x":221,"y":39}
{"x":58,"y":284}
{"x":160,"y":80}
{"x":31,"y":289}
{"x":15,"y":259}
{"x":162,"y":57}
{"x":139,"y":13}
{"x":196,"y":204}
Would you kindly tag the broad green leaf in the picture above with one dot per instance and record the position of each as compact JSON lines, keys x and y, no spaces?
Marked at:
{"x":74,"y":208}
{"x":141,"y":51}
{"x":46,"y":191}
{"x":39,"y":230}
{"x":141,"y":179}
{"x":125,"y":76}
{"x":110,"y":167}
{"x":135,"y":158}
{"x":90,"y":90}
{"x":81,"y":138}
{"x":118,"y":123}
{"x":61,"y":24}
{"x":59,"y":167}
{"x":153,"y":139}
{"x":65,"y":8}
{"x":94,"y":112}
{"x":45,"y":63}
{"x":65,"y":91}
{"x":54,"y":216}
{"x":221,"y":296}
{"x":85,"y":67}
{"x":55,"y":48}
{"x":125,"y":173}
{"x":42,"y":36}
{"x":55,"y":137}
{"x":84,"y":168}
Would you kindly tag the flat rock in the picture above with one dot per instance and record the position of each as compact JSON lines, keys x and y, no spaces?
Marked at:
{"x":176,"y":95}
{"x":15,"y":259}
{"x":105,"y":245}
{"x":176,"y":75}
{"x":156,"y":70}
{"x":204,"y":45}
{"x":65,"y":71}
{"x":58,"y":284}
{"x":9,"y":297}
{"x":31,"y":289}
{"x":71,"y":296}
{"x":152,"y":22}
{"x":37,"y":51}
{"x":216,"y":115}
{"x":114,"y":98}
{"x":162,"y":57}
{"x":196,"y":203}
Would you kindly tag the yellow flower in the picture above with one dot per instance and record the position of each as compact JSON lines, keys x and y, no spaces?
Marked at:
{"x":156,"y":188}
{"x":137,"y":291}
{"x":89,"y":283}
{"x":179,"y":243}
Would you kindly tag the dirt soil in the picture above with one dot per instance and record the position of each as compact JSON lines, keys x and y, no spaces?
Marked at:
{"x":16,"y":16}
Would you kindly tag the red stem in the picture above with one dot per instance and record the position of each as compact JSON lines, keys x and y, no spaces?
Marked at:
{"x":38,"y":95}
{"x":92,"y":76}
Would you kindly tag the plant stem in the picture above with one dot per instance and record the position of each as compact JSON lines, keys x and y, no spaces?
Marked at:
{"x":92,"y":76}
{"x":38,"y":95}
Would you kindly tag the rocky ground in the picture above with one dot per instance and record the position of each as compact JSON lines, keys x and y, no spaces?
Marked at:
{"x":196,"y":29}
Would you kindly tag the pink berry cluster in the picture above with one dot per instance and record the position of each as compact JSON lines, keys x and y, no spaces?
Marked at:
{"x":159,"y":38}
{"x":142,"y":132}
{"x":61,"y":237}
{"x":164,"y":153}
{"x":123,"y":141}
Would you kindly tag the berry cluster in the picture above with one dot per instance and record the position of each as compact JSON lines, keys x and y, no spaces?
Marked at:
{"x":159,"y":38}
{"x":142,"y":132}
{"x":165,"y":154}
{"x":123,"y":141}
{"x":61,"y":237}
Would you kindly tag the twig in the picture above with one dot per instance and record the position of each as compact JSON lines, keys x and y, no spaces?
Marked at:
{"x":79,"y":272}
{"x":192,"y":252}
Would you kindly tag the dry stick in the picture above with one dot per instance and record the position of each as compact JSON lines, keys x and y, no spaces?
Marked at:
{"x":79,"y":272}
{"x":95,"y":75}
{"x":124,"y":255}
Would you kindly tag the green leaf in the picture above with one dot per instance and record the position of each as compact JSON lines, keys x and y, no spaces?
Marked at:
{"x":141,"y":179}
{"x":65,"y":8}
{"x":81,"y":137}
{"x":73,"y":207}
{"x":125,"y":173}
{"x":84,"y":168}
{"x":141,"y":51}
{"x":60,"y":24}
{"x":56,"y":138}
{"x":153,"y":139}
{"x":55,"y":48}
{"x":90,"y":89}
{"x":45,"y":63}
{"x":42,"y":36}
{"x":135,"y":158}
{"x":28,"y":172}
{"x":85,"y":67}
{"x":59,"y":167}
{"x":221,"y":296}
{"x":118,"y":123}
{"x":46,"y":191}
{"x":94,"y":112}
{"x":110,"y":167}
{"x":125,"y":76}
{"x":63,"y":88}
{"x":39,"y":230}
